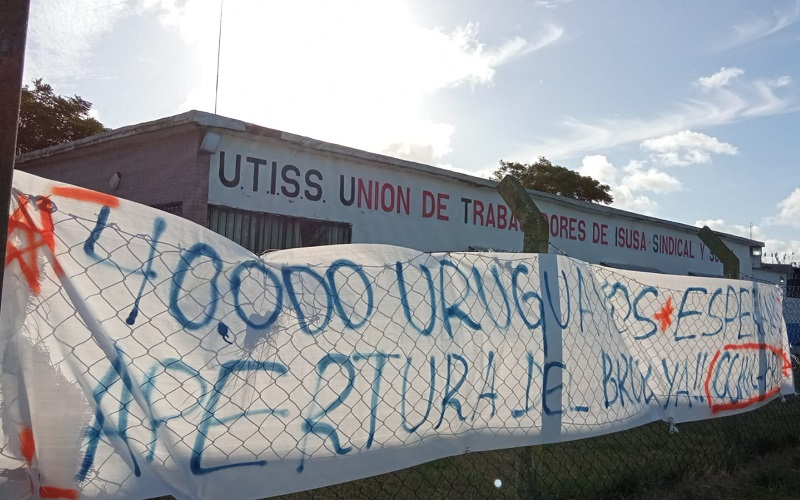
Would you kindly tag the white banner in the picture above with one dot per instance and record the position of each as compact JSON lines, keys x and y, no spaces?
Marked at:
{"x":143,"y":355}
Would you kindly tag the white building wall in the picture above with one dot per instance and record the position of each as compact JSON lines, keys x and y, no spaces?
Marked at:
{"x":400,"y":203}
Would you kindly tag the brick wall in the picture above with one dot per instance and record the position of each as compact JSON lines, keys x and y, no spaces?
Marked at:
{"x":157,"y":168}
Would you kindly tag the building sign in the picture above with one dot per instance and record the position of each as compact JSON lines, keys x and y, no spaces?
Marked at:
{"x":424,"y":210}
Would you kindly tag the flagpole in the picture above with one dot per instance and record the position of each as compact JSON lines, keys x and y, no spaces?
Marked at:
{"x":219,"y":49}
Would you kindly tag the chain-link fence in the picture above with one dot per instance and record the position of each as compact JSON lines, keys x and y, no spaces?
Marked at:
{"x":618,"y":465}
{"x":791,"y":313}
{"x":170,"y":360}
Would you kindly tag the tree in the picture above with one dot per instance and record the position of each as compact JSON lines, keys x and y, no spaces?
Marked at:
{"x":47,"y":119}
{"x":549,"y":178}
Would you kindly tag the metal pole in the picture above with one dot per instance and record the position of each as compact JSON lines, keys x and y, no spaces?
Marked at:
{"x":13,"y":31}
{"x":536,"y":240}
{"x":219,"y":50}
{"x":730,"y":262}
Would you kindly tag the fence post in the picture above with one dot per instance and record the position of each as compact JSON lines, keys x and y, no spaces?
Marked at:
{"x":730,"y":262}
{"x":13,"y":34}
{"x":536,"y":240}
{"x":730,"y":268}
{"x":535,"y":227}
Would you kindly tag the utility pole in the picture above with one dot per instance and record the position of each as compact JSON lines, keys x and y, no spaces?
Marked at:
{"x":13,"y":32}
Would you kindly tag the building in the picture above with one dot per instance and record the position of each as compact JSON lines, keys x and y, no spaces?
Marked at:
{"x":267,"y":189}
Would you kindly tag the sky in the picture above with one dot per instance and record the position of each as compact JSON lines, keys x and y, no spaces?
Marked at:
{"x":688,"y":110}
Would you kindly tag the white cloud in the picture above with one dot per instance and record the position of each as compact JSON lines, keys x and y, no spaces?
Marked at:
{"x":61,"y":35}
{"x":720,"y":79}
{"x":650,"y":180}
{"x":168,"y":11}
{"x":628,"y":183}
{"x":549,"y":4}
{"x":717,"y":106}
{"x":551,"y":34}
{"x":626,"y":199}
{"x":418,"y":145}
{"x":356,"y":73}
{"x":686,"y":148}
{"x":770,"y":103}
{"x":783,"y":81}
{"x":789,"y":214}
{"x":759,"y":28}
{"x":599,"y":168}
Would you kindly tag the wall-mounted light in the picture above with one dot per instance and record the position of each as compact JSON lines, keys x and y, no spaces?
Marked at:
{"x":755,"y":251}
{"x":210,"y":143}
{"x":113,"y":182}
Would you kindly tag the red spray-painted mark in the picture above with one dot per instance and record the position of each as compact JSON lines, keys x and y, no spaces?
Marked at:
{"x":43,"y":234}
{"x":83,"y":194}
{"x":26,"y":444}
{"x":664,"y":315}
{"x":35,"y":237}
{"x":53,"y":492}
{"x":785,"y":370}
{"x":28,"y":447}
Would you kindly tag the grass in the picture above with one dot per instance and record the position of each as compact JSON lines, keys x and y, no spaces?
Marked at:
{"x":753,"y":454}
{"x":774,"y":475}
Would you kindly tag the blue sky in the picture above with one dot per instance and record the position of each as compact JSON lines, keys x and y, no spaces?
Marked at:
{"x":689,"y":110}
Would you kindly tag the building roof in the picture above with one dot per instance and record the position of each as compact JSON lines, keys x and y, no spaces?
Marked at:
{"x":633,"y":267}
{"x":201,"y":119}
{"x":779,"y":268}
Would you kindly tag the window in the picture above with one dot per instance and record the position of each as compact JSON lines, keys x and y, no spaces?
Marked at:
{"x":175,"y":208}
{"x":259,"y":232}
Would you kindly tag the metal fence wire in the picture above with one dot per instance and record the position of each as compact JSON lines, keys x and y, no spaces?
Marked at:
{"x":617,"y":465}
{"x":610,"y":465}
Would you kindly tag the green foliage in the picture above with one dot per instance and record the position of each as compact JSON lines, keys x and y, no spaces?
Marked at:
{"x":549,"y":178}
{"x":47,"y":119}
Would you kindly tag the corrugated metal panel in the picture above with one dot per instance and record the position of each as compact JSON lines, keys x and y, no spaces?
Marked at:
{"x":259,"y":232}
